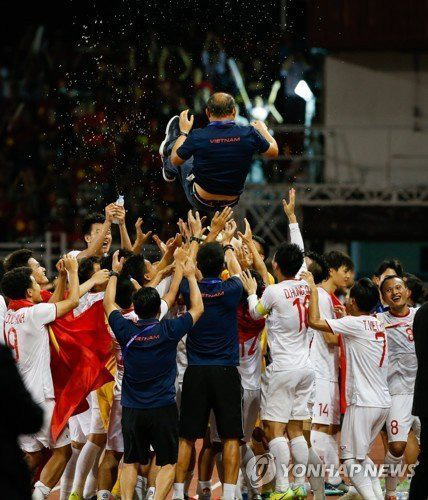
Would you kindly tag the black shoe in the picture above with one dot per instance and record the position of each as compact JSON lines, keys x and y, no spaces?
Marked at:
{"x":167,"y":176}
{"x":172,"y":132}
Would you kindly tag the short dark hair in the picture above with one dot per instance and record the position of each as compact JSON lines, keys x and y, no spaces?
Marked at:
{"x":388,"y":278}
{"x":416,"y":287}
{"x":319,"y":267}
{"x":221,"y":104}
{"x":18,"y":258}
{"x":390,"y":264}
{"x":124,"y":291}
{"x":106,"y":261}
{"x":264,"y":244}
{"x":16,"y":282}
{"x":86,"y":268}
{"x":336,"y":259}
{"x":135,"y":267}
{"x":289,"y":258}
{"x":146,"y":302}
{"x":210,"y":259}
{"x":366,"y":295}
{"x":91,"y":219}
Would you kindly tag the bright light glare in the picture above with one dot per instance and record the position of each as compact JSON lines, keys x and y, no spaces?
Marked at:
{"x":302,"y":90}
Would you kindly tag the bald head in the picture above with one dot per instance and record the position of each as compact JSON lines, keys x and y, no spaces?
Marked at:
{"x":221,"y":105}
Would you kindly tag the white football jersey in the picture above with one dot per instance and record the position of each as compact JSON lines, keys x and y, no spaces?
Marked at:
{"x":86,"y":301}
{"x":286,"y":304}
{"x":364,"y":343}
{"x":402,"y":363}
{"x":27,"y":335}
{"x":250,"y":362}
{"x":3,"y":309}
{"x":324,"y":357}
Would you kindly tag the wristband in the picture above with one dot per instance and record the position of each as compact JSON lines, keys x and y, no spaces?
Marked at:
{"x":228,"y":247}
{"x":114,"y":273}
{"x":184,"y":133}
{"x":195,"y":238}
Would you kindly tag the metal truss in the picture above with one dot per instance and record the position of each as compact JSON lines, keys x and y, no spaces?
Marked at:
{"x":262,"y":203}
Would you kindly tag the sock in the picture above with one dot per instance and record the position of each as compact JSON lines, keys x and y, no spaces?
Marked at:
{"x":41,"y":491}
{"x":187,"y":481}
{"x":299,"y":452}
{"x":356,"y":474}
{"x":246,"y":455}
{"x":331,"y":457}
{"x":372,"y":472}
{"x":319,"y":443}
{"x":68,"y":474}
{"x":103,"y":495}
{"x":151,"y":492}
{"x":84,"y":464}
{"x":315,"y":475}
{"x":90,"y":488}
{"x":140,"y":488}
{"x":204,"y":489}
{"x":392,"y":480}
{"x":278,"y":447}
{"x":229,"y":491}
{"x":178,"y":490}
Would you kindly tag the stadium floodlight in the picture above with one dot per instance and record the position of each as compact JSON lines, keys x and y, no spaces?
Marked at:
{"x":302,"y":90}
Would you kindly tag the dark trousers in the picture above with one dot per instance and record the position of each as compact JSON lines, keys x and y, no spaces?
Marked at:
{"x":418,"y":489}
{"x":184,"y":173}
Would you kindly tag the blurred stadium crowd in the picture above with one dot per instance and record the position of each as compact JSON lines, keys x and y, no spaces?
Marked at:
{"x":82,"y":119}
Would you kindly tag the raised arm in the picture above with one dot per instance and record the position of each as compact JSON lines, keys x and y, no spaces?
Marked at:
{"x":314,"y":316}
{"x":141,"y":238}
{"x":295,"y":234}
{"x":170,"y":297}
{"x":218,"y":223}
{"x":98,"y":278}
{"x":185,"y":125}
{"x":72,"y":301}
{"x":196,"y":303}
{"x":97,"y":243}
{"x":61,"y":283}
{"x":272,"y":151}
{"x":125,"y":240}
{"x":258,"y":263}
{"x":110,"y":293}
{"x":232,"y":263}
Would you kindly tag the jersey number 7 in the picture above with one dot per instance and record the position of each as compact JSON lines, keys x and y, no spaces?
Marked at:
{"x":381,"y":335}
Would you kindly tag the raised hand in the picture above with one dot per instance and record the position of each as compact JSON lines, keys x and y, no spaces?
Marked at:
{"x":220,"y":219}
{"x":195,"y":224}
{"x":70,"y":263}
{"x":161,"y":245}
{"x":60,"y":267}
{"x":185,"y":122}
{"x":249,"y":283}
{"x":142,"y":238}
{"x":308,"y":277}
{"x":247,"y":237}
{"x":110,"y":211}
{"x":100,"y":277}
{"x":229,"y":232}
{"x":117,"y":264}
{"x":290,"y":206}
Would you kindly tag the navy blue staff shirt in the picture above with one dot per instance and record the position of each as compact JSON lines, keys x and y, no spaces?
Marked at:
{"x":213,"y":340}
{"x":150,"y":360}
{"x":222,"y":155}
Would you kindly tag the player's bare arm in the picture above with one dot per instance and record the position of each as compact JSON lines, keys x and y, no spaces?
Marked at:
{"x":67,"y":305}
{"x":232,"y":263}
{"x":261,"y":127}
{"x":110,"y":293}
{"x":125,"y":241}
{"x":95,"y":246}
{"x":61,"y":283}
{"x":185,"y":125}
{"x":218,"y":223}
{"x":314,"y":317}
{"x":196,"y":304}
{"x":141,"y":237}
{"x":258,"y":263}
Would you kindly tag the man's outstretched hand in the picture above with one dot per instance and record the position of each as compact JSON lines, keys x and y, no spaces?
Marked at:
{"x":185,"y":123}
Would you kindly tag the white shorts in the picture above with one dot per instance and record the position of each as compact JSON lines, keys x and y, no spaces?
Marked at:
{"x":43,"y":439}
{"x":97,"y":426}
{"x":361,"y":425}
{"x":326,"y":407}
{"x":286,"y":394}
{"x":114,"y":433}
{"x":80,"y":426}
{"x":400,"y":419}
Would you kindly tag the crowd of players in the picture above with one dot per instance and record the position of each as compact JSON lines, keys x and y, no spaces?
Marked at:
{"x":256,"y":359}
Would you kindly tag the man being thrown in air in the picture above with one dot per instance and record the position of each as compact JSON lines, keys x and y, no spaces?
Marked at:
{"x":212,"y":163}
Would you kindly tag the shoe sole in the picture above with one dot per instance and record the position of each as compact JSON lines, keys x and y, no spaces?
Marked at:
{"x":165,"y":178}
{"x":166,"y":135}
